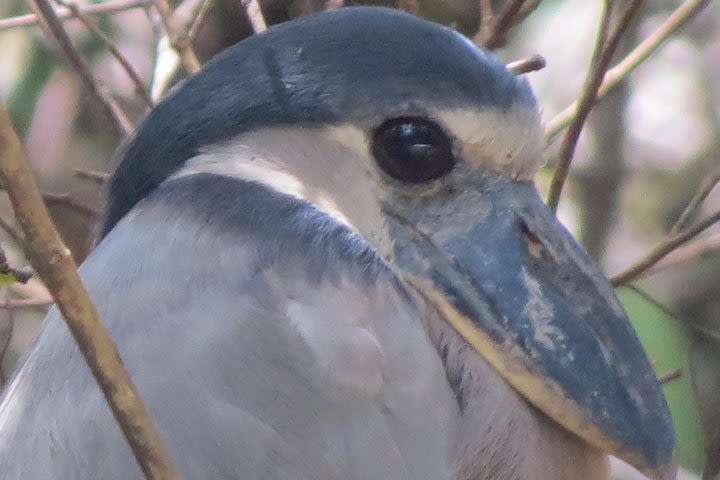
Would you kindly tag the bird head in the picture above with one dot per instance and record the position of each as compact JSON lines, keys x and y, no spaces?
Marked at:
{"x":426,"y":147}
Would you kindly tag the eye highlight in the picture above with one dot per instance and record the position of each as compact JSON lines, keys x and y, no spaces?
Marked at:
{"x":412,"y":149}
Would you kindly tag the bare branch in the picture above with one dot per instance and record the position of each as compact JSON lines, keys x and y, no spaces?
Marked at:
{"x":174,"y":46}
{"x":679,"y":18}
{"x":177,"y":35}
{"x":198,"y":19}
{"x":693,"y":207}
{"x":527,"y":8}
{"x":9,"y":334}
{"x":662,"y":250}
{"x":255,"y":15}
{"x":109,"y":107}
{"x":526,"y":65}
{"x":63,"y":14}
{"x":124,"y":63}
{"x":504,"y":20}
{"x":101,"y":178}
{"x":69,"y":201}
{"x":654,"y":302}
{"x":14,"y":304}
{"x":686,"y":253}
{"x":53,"y":262}
{"x":487,"y":20}
{"x":10,"y":230}
{"x":605,"y":46}
{"x":670,"y":376}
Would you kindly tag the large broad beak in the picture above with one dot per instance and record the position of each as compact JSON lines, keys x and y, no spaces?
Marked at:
{"x":500,"y":268}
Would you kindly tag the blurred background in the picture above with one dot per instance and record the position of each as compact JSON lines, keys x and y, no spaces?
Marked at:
{"x":649,"y":149}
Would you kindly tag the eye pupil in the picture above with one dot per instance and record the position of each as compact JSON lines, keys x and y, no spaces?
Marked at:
{"x":412,"y":149}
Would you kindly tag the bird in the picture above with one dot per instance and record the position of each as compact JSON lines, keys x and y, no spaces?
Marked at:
{"x":324,"y":257}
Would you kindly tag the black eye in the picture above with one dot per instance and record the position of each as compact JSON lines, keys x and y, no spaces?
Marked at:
{"x":412,"y":150}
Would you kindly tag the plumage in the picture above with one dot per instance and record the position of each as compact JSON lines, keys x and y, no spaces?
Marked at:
{"x":323,"y":405}
{"x":289,"y":309}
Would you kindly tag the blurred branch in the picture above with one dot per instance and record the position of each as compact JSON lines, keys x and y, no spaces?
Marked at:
{"x":17,"y":303}
{"x":177,"y":34}
{"x":53,"y":262}
{"x":494,"y":33}
{"x":531,"y":64}
{"x":101,"y":178}
{"x":8,"y":336}
{"x":487,"y":19}
{"x":10,"y":230}
{"x":670,"y":376}
{"x":695,"y":204}
{"x":175,"y":45}
{"x":255,"y":15}
{"x":108,"y":106}
{"x":679,"y":18}
{"x":686,"y":253}
{"x":410,"y":6}
{"x":197,"y":20}
{"x":64,"y":14}
{"x":605,"y":46}
{"x":654,"y":302}
{"x":526,"y":10}
{"x":108,"y":43}
{"x":662,"y":250}
{"x":69,"y":201}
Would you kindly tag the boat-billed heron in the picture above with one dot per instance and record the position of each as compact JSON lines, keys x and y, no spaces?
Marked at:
{"x":324,"y":258}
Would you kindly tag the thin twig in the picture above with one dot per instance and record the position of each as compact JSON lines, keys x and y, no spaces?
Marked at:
{"x":679,"y":18}
{"x":54,"y":263}
{"x":101,"y":178}
{"x":504,"y":20}
{"x":167,"y":62}
{"x":177,"y":35}
{"x":670,"y":376}
{"x":63,"y":14}
{"x":255,"y":15}
{"x":25,"y":303}
{"x":526,"y":10}
{"x":605,"y":46}
{"x":9,"y":334}
{"x":70,"y":202}
{"x":487,"y":19}
{"x":108,"y":43}
{"x":10,"y":230}
{"x":530,"y":64}
{"x":175,"y":46}
{"x":694,"y":205}
{"x":109,"y":107}
{"x":662,"y":250}
{"x":653,"y":301}
{"x":198,"y":19}
{"x":686,"y":253}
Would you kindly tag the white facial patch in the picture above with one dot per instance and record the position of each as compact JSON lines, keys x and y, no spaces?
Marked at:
{"x":311,"y":164}
{"x":510,"y":142}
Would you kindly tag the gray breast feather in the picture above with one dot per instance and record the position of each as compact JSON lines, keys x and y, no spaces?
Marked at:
{"x":251,"y":369}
